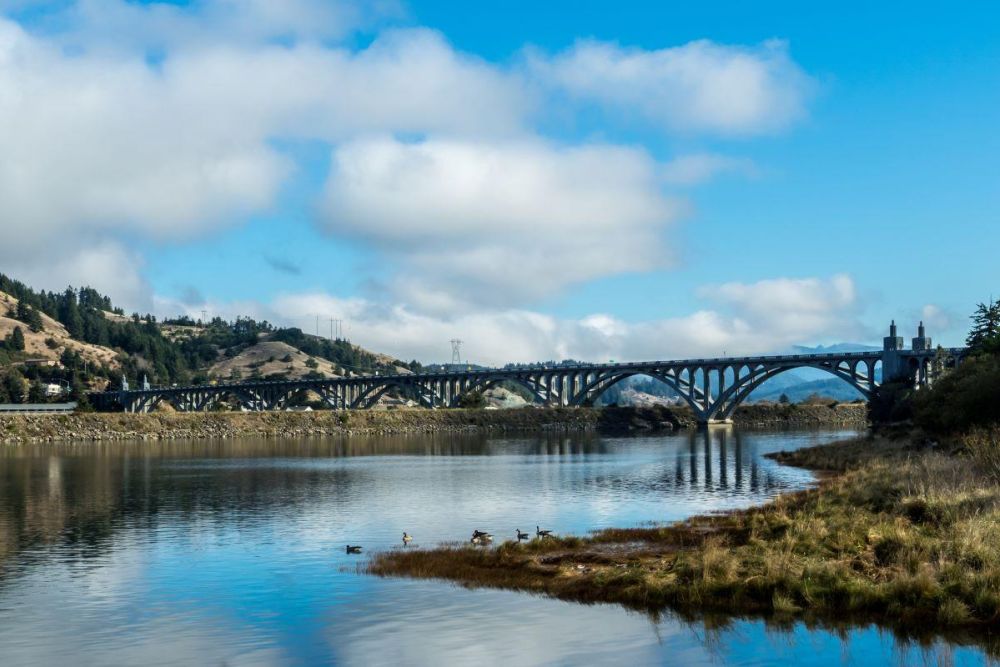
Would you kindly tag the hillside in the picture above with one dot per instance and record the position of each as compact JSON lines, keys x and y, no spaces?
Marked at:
{"x":269,"y":359}
{"x":77,"y":339}
{"x":52,"y":340}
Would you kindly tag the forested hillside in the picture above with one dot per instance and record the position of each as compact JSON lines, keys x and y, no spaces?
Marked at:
{"x":78,"y":339}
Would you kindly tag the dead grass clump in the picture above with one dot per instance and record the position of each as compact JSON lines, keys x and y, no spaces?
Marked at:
{"x":983,"y":445}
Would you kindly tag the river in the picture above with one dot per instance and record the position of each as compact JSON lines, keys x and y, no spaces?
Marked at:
{"x":233,"y":553}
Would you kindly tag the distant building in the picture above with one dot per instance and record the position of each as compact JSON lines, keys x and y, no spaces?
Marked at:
{"x":53,"y":390}
{"x":40,"y":362}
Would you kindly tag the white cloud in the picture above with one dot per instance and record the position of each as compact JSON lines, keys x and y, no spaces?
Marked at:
{"x":123,"y":26}
{"x":936,"y":318}
{"x":797,"y":307}
{"x":698,"y":168}
{"x":107,"y":266}
{"x":775,"y":315}
{"x":121,"y":121}
{"x":96,"y":148}
{"x":700,"y":86}
{"x":495,"y":223}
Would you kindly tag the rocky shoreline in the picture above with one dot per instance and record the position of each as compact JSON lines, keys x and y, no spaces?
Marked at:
{"x":98,"y":427}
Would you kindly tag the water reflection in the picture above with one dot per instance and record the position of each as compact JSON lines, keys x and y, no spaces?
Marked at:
{"x":199,"y":552}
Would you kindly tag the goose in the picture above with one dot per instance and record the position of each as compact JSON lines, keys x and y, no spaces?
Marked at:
{"x":481,"y":537}
{"x":407,"y":538}
{"x":354,"y":549}
{"x":521,"y":536}
{"x":542,"y":533}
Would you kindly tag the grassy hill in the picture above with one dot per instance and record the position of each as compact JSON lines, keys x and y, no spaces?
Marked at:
{"x":78,"y":339}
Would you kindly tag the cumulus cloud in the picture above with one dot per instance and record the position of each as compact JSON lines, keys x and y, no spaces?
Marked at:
{"x":97,"y":148}
{"x":775,"y":315}
{"x":495,"y":223}
{"x":163,"y":122}
{"x":798,"y":307}
{"x":698,"y":168}
{"x":700,"y":86}
{"x":121,"y":25}
{"x":107,"y":266}
{"x":936,"y":318}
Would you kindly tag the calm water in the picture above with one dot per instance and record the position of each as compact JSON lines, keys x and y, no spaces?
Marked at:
{"x":232,"y":553}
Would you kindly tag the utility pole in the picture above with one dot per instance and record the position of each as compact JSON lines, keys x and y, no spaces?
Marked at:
{"x":204,"y":318}
{"x":456,"y":351}
{"x":317,"y":326}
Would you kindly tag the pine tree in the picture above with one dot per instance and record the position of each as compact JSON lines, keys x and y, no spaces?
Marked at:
{"x":69,"y":314}
{"x":14,"y":386}
{"x":36,"y":393}
{"x":17,"y":340}
{"x":985,"y":332}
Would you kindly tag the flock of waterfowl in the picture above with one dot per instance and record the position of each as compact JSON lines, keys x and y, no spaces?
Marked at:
{"x":478,"y":537}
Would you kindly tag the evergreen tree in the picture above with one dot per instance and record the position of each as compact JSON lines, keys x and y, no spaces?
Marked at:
{"x":29,"y":316}
{"x":69,"y":314}
{"x":36,"y":393}
{"x":14,"y":386}
{"x":16,"y":341}
{"x":985,"y":332}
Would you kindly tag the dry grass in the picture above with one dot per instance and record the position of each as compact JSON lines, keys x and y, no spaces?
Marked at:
{"x":909,"y":537}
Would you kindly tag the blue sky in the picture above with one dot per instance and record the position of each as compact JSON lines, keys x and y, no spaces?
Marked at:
{"x":670,"y":179}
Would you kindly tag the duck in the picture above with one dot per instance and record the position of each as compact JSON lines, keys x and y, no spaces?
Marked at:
{"x":542,"y":533}
{"x":407,"y":538}
{"x":521,"y":536}
{"x":353,"y":549}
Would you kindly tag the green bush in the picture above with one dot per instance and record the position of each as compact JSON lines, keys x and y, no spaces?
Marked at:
{"x":966,"y":397}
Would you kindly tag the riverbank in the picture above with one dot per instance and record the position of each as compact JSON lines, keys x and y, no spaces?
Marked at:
{"x":174,"y":426}
{"x":905,"y":533}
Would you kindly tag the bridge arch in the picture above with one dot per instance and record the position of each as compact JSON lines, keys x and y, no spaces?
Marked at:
{"x":734,"y":396}
{"x":593,"y":390}
{"x":369,"y":396}
{"x":488,"y":383}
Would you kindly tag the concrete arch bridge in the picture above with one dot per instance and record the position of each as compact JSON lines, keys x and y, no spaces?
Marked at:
{"x":713,"y":388}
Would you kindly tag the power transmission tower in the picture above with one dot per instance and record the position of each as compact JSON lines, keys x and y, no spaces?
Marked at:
{"x":456,"y":351}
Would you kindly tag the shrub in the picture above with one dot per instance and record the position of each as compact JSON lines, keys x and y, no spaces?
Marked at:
{"x":966,"y":397}
{"x":472,"y":399}
{"x":983,"y":445}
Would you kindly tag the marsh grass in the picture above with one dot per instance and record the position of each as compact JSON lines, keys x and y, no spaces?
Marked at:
{"x":907,"y":535}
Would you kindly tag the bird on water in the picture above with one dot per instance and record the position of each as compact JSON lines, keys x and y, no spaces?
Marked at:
{"x":407,"y":538}
{"x":542,"y":533}
{"x":481,"y":537}
{"x":521,"y":536}
{"x":353,"y":549}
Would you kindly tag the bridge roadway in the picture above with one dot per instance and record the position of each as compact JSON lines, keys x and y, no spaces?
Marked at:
{"x":713,"y":388}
